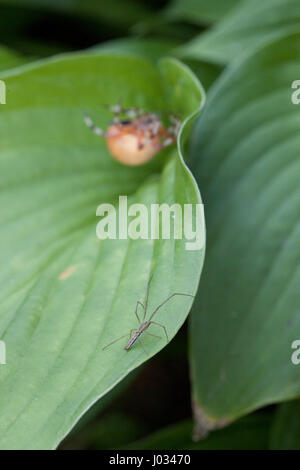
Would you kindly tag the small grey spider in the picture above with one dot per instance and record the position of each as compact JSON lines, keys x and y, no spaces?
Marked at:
{"x":144,"y":324}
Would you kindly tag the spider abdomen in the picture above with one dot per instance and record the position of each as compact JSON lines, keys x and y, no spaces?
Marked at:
{"x":132,"y":146}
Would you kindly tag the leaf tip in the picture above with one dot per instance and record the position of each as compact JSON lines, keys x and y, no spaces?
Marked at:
{"x":204,"y":424}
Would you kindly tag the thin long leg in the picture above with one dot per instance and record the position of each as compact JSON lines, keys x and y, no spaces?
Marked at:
{"x":139,"y":340}
{"x":168,"y":141}
{"x":116,"y":110}
{"x":88,"y":121}
{"x":165,"y":301}
{"x":130,"y":113}
{"x":136,"y":310}
{"x":151,"y":334}
{"x":124,"y":336}
{"x":133,"y":113}
{"x":162,"y":326}
{"x":118,"y":339}
{"x":147,"y":297}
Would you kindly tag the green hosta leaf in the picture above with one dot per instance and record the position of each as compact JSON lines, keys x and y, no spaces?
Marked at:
{"x":65,"y":294}
{"x":205,"y":71}
{"x":251,"y":433}
{"x":245,"y":155}
{"x":199,"y":11}
{"x":285,"y":433}
{"x":98,"y":408}
{"x":145,"y":47}
{"x":156,"y":48}
{"x":246,"y":28}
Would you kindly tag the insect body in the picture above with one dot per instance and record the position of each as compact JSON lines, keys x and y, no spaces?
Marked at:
{"x":136,"y":334}
{"x":144,"y":324}
{"x":137,"y":136}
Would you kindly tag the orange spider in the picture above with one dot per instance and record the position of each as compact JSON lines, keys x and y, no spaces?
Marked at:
{"x":138,"y":137}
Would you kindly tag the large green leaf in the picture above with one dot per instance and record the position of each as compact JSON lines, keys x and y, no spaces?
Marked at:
{"x":245,"y":151}
{"x":199,"y":11}
{"x":246,"y":28}
{"x":251,"y":433}
{"x":285,"y":432}
{"x":205,"y":71}
{"x":101,"y":405}
{"x":156,"y":48}
{"x":64,"y":293}
{"x":151,"y":48}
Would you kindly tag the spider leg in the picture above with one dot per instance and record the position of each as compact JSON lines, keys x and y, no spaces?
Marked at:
{"x":130,"y":113}
{"x":88,"y":121}
{"x":118,"y":339}
{"x":169,"y":141}
{"x":167,"y":300}
{"x":147,"y":297}
{"x":139,"y":340}
{"x":136,"y":310}
{"x":116,"y":109}
{"x":162,"y":326}
{"x":174,"y":126}
{"x":134,"y":113}
{"x":156,"y":128}
{"x":151,"y":334}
